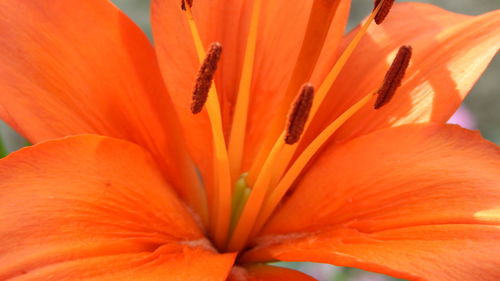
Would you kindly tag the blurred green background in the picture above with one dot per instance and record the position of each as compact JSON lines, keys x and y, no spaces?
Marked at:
{"x":483,"y":103}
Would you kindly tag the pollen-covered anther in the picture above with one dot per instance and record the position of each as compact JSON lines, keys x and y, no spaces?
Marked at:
{"x":394,"y":76}
{"x":186,"y":2}
{"x":383,"y":11}
{"x":205,"y":77}
{"x":297,"y":117}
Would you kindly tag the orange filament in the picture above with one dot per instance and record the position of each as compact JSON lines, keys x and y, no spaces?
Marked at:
{"x":384,"y":10}
{"x":266,"y":179}
{"x":219,"y":194}
{"x":299,"y":114}
{"x":296,"y":168}
{"x":205,"y":77}
{"x":320,"y":19}
{"x":259,"y":192}
{"x":246,"y":213}
{"x":261,"y":189}
{"x":394,"y":76}
{"x":288,"y":152}
{"x":391,"y":82}
{"x":266,"y":176}
{"x":238,"y":128}
{"x":339,"y":65}
{"x":322,"y":92}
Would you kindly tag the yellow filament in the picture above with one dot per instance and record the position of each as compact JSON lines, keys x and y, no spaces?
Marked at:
{"x":251,"y":210}
{"x":238,"y":128}
{"x":287,"y":153}
{"x":220,"y":204}
{"x":297,"y":167}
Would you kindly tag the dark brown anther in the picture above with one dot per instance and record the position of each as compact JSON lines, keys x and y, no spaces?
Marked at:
{"x":394,"y":76}
{"x":383,"y":11}
{"x":299,"y":114}
{"x":205,"y":77}
{"x":184,"y":2}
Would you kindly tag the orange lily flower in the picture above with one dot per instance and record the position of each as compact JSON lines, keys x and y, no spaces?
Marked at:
{"x":359,"y":169}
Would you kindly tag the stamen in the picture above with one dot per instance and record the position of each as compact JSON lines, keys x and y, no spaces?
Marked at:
{"x":384,"y":10}
{"x":188,"y":2}
{"x":288,"y":179}
{"x":320,"y":19}
{"x":218,"y":193}
{"x":205,"y":77}
{"x":394,"y":76}
{"x":287,"y":152}
{"x":299,"y":114}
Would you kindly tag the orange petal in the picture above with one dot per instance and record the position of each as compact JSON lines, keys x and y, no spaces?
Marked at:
{"x":450,"y":51}
{"x":424,"y":253}
{"x":417,"y":201}
{"x":260,"y":272}
{"x":72,"y":67}
{"x":172,"y":264}
{"x":96,"y":208}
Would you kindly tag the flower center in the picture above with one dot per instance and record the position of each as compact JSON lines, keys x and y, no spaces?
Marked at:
{"x":239,"y":202}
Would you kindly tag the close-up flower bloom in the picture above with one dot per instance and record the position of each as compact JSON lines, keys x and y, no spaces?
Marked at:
{"x":249,"y":132}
